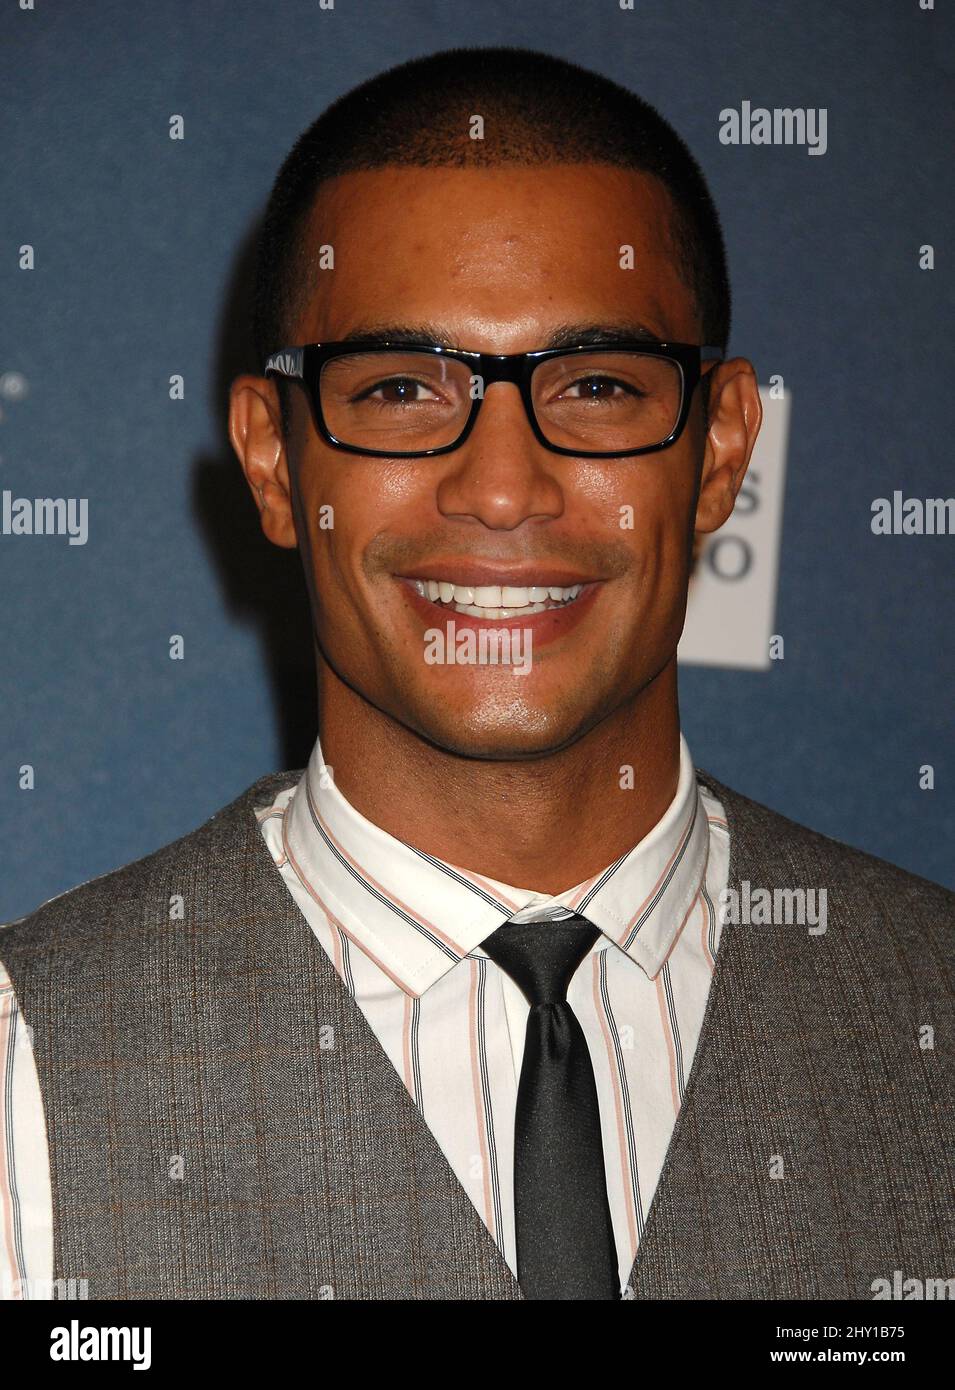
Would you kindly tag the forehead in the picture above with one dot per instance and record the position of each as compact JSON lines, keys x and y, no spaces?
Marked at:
{"x":497,"y":256}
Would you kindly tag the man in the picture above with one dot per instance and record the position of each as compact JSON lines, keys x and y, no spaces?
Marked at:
{"x":454,"y":1012}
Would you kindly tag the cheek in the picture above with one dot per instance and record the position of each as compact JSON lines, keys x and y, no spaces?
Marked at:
{"x":646,"y":505}
{"x":356,"y":510}
{"x":348,"y":500}
{"x":370,"y":496}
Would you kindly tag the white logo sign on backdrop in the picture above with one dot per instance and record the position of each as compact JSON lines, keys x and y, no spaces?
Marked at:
{"x":731,"y":608}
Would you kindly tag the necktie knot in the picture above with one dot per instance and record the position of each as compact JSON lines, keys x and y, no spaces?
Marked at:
{"x":542,"y":957}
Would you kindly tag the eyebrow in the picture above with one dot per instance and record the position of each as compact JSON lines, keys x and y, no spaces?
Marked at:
{"x":565,"y":335}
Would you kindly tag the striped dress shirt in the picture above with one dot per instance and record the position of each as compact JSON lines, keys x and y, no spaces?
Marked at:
{"x":403,"y":930}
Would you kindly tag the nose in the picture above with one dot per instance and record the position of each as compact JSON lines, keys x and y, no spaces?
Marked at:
{"x":501,"y":475}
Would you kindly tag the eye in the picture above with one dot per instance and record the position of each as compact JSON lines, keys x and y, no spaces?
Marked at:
{"x":596,"y":387}
{"x":398,"y":390}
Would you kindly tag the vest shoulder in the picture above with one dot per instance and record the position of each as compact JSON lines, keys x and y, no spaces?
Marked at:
{"x":768,"y":835}
{"x":199,"y":860}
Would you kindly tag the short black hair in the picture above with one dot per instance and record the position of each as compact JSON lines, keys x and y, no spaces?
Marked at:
{"x":537,"y":109}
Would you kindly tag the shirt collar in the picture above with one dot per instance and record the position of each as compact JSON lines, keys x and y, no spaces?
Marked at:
{"x":416,"y":916}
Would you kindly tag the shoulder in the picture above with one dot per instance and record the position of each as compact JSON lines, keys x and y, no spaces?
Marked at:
{"x":872,"y":896}
{"x":201,"y":862}
{"x":761,"y":824}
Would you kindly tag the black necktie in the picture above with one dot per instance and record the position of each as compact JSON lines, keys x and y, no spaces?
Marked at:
{"x":565,"y":1243}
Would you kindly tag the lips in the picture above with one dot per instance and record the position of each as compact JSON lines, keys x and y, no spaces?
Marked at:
{"x":547,"y":619}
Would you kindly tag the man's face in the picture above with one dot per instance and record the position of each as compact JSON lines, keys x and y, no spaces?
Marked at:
{"x":497,"y":260}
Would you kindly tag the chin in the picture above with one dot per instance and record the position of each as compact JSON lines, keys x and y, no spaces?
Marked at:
{"x":495,"y":735}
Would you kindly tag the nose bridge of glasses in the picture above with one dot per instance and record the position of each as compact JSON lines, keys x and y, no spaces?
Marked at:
{"x":505,"y":369}
{"x":502,"y":367}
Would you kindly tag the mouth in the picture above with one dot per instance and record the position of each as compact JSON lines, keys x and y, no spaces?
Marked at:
{"x":548,"y":604}
{"x":497,"y":601}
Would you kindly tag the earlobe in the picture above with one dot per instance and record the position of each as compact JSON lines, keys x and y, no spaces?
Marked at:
{"x":255,"y":432}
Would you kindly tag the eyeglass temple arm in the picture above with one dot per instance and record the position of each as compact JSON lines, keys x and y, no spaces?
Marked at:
{"x":288,"y":362}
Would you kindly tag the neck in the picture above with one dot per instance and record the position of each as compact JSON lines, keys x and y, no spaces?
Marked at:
{"x":545,"y":824}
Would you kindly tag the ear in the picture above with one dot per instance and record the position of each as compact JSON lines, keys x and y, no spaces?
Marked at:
{"x":256,"y":434}
{"x":735,"y":414}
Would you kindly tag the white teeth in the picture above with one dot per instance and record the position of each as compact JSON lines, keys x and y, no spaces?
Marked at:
{"x":495,"y":600}
{"x":487,"y":596}
{"x":476,"y":612}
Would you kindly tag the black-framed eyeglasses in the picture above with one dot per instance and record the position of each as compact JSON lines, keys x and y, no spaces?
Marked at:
{"x":419,"y":399}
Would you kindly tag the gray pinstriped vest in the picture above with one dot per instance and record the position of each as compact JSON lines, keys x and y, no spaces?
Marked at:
{"x":307,"y":1171}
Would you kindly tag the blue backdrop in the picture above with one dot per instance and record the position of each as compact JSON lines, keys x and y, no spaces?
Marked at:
{"x":142,"y":250}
